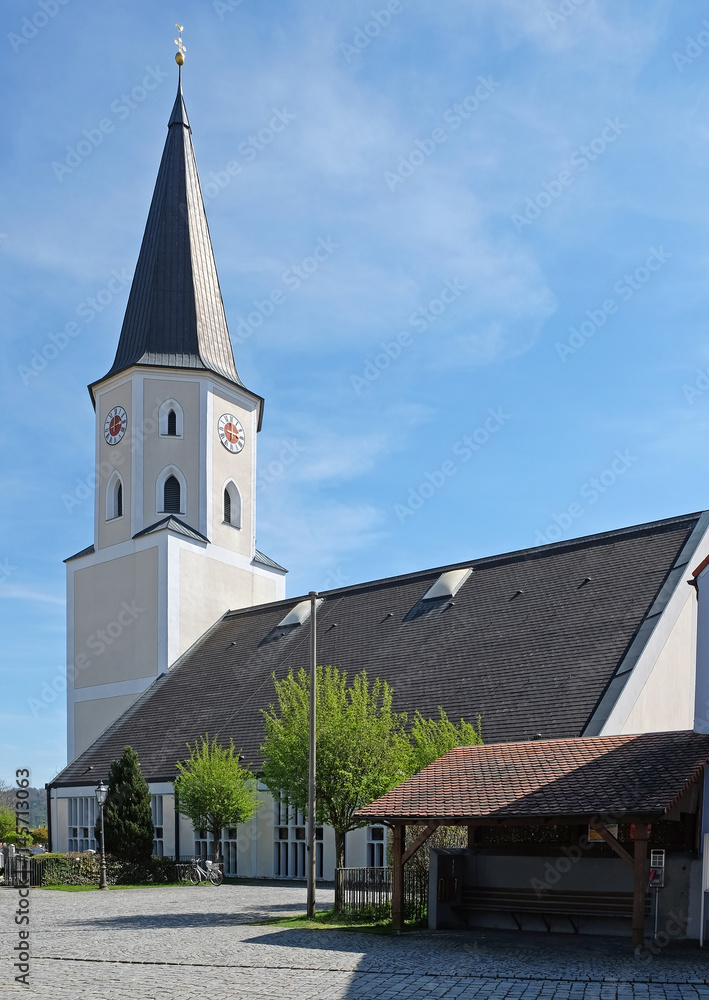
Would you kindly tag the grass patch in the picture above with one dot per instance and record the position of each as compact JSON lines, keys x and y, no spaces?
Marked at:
{"x":328,"y":920}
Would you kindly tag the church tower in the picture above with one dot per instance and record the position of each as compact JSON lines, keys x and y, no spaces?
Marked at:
{"x":174,"y":520}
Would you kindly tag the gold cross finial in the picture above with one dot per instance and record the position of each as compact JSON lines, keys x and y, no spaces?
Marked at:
{"x":180,"y":54}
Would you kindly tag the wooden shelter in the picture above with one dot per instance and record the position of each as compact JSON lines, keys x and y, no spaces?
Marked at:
{"x":635,"y":782}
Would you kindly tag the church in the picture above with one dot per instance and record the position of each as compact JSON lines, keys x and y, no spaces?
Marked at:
{"x":176,"y":622}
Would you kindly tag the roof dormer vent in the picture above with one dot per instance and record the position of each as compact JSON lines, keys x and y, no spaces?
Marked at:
{"x":298,"y":615}
{"x":448,"y":584}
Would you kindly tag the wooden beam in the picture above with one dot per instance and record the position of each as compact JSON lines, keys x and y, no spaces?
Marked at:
{"x":615,"y":844}
{"x":397,"y":877}
{"x":640,"y":836}
{"x":419,"y":842}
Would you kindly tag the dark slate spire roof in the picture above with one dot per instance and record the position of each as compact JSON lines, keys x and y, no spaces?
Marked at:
{"x":175,"y":314}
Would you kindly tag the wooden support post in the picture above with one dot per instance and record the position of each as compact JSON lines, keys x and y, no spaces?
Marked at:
{"x":397,"y":878}
{"x":471,"y":837}
{"x":640,"y":837}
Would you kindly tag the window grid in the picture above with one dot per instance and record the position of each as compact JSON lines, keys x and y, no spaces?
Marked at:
{"x":376,"y":842}
{"x":204,"y":847}
{"x":82,"y":823}
{"x":156,"y":808}
{"x":290,"y":842}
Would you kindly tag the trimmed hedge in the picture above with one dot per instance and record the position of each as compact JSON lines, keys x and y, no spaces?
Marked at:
{"x":84,"y":869}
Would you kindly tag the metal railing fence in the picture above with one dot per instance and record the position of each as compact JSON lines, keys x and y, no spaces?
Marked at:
{"x":366,"y":892}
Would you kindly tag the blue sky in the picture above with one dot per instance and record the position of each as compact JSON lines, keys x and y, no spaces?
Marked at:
{"x":506,"y":342}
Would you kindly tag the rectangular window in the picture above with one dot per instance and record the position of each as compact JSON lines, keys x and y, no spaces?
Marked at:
{"x":156,"y":810}
{"x":375,"y":847}
{"x":82,"y":821}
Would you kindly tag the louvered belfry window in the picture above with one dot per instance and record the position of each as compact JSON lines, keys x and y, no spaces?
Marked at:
{"x":227,"y":507}
{"x":171,"y":503}
{"x":172,"y":423}
{"x":119,"y":500}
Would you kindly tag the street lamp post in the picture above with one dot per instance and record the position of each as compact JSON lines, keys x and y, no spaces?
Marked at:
{"x":101,"y":793}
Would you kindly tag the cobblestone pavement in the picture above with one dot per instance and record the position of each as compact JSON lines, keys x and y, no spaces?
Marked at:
{"x":193,"y":942}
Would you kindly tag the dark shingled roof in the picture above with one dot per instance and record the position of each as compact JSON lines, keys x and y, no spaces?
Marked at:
{"x":531,"y":642}
{"x":619,"y":776}
{"x":175,"y":315}
{"x":172,"y":523}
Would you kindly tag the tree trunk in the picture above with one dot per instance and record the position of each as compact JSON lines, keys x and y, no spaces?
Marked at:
{"x":217,"y":838}
{"x":339,"y":863}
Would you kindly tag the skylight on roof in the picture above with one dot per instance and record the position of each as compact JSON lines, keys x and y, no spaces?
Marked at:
{"x":448,"y":584}
{"x":298,"y":615}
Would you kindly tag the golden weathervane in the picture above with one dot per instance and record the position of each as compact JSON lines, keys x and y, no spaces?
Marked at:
{"x":180,"y":54}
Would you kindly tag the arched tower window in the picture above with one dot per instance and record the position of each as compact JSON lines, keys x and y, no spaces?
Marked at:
{"x":171,"y":491}
{"x":114,"y":497}
{"x":232,"y":504}
{"x":170,"y":419}
{"x":171,"y":495}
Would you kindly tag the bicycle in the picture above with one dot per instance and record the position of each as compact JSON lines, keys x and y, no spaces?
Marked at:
{"x":210,"y":873}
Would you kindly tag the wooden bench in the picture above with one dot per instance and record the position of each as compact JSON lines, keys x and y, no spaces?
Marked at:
{"x":569,"y":903}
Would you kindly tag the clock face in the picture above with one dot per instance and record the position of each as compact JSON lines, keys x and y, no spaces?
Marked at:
{"x":115,"y":426}
{"x":231,"y":433}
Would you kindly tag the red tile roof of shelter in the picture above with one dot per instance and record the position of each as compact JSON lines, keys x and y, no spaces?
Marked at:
{"x":618,"y":776}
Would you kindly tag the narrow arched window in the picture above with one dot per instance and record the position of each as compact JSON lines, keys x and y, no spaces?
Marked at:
{"x":232,"y":505}
{"x":172,"y":424}
{"x":171,"y":496}
{"x":114,"y":497}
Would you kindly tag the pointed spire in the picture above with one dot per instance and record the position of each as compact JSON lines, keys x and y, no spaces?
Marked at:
{"x":175,"y":315}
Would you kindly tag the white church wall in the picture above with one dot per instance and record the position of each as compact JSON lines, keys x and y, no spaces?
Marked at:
{"x":212,"y":586}
{"x":109,"y":457}
{"x":660,"y":692}
{"x":240,"y":467}
{"x":665,"y":701}
{"x":92,"y":717}
{"x":701,"y":700}
{"x":115,"y":618}
{"x":160,"y":452}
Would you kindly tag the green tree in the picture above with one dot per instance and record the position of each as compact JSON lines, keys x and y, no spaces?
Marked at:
{"x":362,"y":747}
{"x":213,"y":790}
{"x":432,"y":738}
{"x":127,"y":815}
{"x":8,"y":824}
{"x":40,"y":835}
